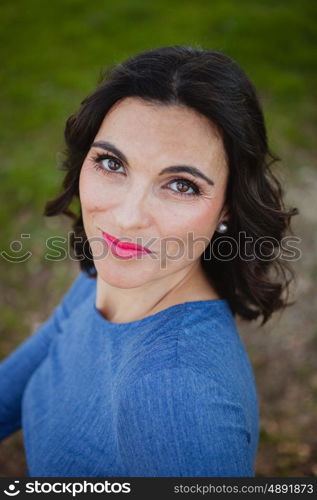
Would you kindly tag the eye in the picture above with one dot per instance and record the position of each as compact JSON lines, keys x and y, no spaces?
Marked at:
{"x":180,"y":183}
{"x":106,"y":160}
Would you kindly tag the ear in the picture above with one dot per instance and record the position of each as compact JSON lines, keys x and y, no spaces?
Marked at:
{"x":224,"y":214}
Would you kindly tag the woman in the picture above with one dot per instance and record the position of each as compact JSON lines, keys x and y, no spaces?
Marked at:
{"x":140,"y":370}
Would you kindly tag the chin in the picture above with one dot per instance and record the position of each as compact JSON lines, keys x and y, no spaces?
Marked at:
{"x":120,"y":276}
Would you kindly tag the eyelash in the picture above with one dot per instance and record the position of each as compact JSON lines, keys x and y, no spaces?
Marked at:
{"x":97,"y":159}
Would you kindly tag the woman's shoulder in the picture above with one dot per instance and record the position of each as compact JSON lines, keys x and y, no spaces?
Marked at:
{"x":193,"y":325}
{"x":201,"y":346}
{"x":200,"y":335}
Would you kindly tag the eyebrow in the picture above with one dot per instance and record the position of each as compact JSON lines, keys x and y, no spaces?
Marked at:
{"x":194,"y":171}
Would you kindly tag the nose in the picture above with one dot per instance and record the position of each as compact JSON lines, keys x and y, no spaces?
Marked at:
{"x":132,"y":210}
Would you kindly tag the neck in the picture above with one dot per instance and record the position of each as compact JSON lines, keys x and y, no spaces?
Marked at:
{"x":120,"y":305}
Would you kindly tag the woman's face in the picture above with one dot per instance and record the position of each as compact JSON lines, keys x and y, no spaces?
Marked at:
{"x":125,"y":192}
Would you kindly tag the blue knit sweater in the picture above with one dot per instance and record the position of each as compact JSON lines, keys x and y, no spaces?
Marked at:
{"x":172,"y":394}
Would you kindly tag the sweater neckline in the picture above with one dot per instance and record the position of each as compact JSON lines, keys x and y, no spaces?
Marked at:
{"x":214,"y":303}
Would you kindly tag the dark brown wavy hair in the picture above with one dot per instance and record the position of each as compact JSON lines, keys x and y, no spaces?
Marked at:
{"x":213,"y":84}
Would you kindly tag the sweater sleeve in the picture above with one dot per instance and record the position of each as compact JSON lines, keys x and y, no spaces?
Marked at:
{"x":17,"y":368}
{"x":177,"y":422}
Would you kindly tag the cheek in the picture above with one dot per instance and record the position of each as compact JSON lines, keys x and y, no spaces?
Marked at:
{"x":188,"y":231}
{"x":92,"y":196}
{"x":197,"y":218}
{"x":85,"y":188}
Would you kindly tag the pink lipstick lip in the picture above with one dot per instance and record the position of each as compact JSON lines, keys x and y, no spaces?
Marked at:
{"x":129,"y":247}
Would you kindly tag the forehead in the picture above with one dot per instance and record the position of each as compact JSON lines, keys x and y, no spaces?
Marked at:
{"x":153,"y":128}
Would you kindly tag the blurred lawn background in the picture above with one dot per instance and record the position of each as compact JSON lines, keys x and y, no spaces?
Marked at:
{"x":52,"y":56}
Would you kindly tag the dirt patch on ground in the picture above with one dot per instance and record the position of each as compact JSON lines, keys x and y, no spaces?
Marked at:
{"x":284,"y":352}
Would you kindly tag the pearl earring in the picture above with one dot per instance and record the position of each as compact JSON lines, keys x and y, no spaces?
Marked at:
{"x":222,"y":227}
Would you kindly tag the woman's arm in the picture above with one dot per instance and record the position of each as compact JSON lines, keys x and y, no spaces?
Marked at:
{"x":177,"y":422}
{"x":17,"y":368}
